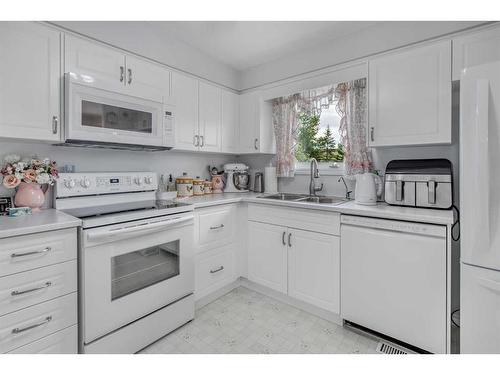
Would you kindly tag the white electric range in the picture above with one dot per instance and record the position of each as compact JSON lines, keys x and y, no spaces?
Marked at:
{"x":136,"y":259}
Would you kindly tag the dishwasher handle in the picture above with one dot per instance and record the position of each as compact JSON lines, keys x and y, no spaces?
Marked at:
{"x":434,"y":230}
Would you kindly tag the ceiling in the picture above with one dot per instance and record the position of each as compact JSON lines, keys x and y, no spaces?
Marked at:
{"x":246,"y":44}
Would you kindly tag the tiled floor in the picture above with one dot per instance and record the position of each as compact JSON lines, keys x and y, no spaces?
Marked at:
{"x":244,"y":321}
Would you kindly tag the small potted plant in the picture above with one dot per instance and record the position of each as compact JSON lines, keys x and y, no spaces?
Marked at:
{"x":29,"y":176}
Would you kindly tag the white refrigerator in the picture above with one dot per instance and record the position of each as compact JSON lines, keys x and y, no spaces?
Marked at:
{"x":480,"y":209}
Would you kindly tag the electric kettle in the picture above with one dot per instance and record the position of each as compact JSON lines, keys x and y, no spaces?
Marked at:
{"x":368,"y":188}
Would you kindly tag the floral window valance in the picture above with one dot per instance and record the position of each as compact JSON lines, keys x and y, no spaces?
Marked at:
{"x":350,"y":103}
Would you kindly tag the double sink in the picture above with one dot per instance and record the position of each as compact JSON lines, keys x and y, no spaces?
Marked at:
{"x":305,"y":198}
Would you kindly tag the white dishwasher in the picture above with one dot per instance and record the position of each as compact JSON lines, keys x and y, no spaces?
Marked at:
{"x":393,"y":279}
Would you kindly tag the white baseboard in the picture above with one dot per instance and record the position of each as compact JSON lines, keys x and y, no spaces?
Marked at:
{"x":322,"y":313}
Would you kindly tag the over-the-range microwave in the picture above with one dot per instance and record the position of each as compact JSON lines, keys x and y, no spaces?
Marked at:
{"x":96,"y":116}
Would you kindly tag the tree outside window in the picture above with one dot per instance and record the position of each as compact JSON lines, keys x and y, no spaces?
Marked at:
{"x":318,"y":137}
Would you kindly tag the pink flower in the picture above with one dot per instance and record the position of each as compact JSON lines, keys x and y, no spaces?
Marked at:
{"x":11,"y":181}
{"x":7,"y":169}
{"x":30,"y":175}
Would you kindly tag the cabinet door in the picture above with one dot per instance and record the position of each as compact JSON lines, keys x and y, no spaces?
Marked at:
{"x":185,"y":98}
{"x":97,"y":63}
{"x":29,"y":81}
{"x":410,"y":97}
{"x":249,"y":125}
{"x":147,"y":79}
{"x":230,"y":122}
{"x":267,"y":255}
{"x":475,"y":49}
{"x":210,"y":105}
{"x":314,"y":268}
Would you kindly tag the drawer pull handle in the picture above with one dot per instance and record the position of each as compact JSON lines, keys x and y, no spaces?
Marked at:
{"x":217,"y":227}
{"x":21,"y":292}
{"x":217,"y":270}
{"x":17,"y":255}
{"x":20,"y":330}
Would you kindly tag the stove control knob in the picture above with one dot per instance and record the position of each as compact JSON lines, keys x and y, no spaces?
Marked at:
{"x":85,"y":182}
{"x":138,"y":181}
{"x":148,"y":180}
{"x":70,"y":184}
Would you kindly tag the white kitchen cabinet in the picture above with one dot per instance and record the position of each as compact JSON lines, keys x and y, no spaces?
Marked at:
{"x":214,"y":270}
{"x":409,"y":95}
{"x":255,"y":125}
{"x":314,"y":268}
{"x":147,"y":79}
{"x":230,"y":122}
{"x":95,"y":63}
{"x":210,"y":107}
{"x":477,"y":48}
{"x":185,"y":98}
{"x":30,"y":81}
{"x":267,"y":255}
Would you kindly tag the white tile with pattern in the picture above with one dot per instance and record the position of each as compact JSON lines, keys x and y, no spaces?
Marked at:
{"x":246,"y":322}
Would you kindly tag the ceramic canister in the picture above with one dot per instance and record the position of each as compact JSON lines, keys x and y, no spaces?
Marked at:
{"x":184,"y":186}
{"x":198,"y":186}
{"x":208,"y":187}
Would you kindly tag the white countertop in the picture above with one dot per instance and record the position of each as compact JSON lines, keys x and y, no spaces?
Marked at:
{"x":381,"y":210}
{"x":42,"y":221}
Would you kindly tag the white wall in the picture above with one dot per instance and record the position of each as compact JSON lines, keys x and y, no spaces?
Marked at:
{"x":92,"y":160}
{"x":137,"y":37}
{"x":375,"y":39}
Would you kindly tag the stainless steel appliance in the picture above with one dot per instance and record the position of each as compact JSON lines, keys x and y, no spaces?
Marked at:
{"x":419,"y":183}
{"x":258,"y":182}
{"x":100,"y":116}
{"x":237,"y":178}
{"x":135,"y":257}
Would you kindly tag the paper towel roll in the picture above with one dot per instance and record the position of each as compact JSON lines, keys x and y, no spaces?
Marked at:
{"x":270,"y":180}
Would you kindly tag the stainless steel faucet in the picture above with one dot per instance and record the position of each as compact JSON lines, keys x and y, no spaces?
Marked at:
{"x":347,"y":191}
{"x":314,"y":175}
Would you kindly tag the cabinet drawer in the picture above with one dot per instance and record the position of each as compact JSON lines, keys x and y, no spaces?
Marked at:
{"x":23,"y":253}
{"x":215,"y":226}
{"x":24,"y":326}
{"x":31,"y":287}
{"x":312,"y":220}
{"x":61,"y":342}
{"x":214,"y":269}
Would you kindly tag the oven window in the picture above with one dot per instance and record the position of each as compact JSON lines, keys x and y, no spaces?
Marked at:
{"x":105,"y":116}
{"x":142,"y":268}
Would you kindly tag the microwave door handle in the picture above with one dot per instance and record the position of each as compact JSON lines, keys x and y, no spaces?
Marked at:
{"x":143,"y":228}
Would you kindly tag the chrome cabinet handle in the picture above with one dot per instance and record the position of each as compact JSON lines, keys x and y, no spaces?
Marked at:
{"x":372,"y":133}
{"x":17,"y":255}
{"x":289,"y":240}
{"x":196,"y":141}
{"x":129,"y":76}
{"x":122,"y":73}
{"x":55,"y":124}
{"x":217,"y":270}
{"x":23,"y":329}
{"x":283,"y":238}
{"x":217,"y":227}
{"x":202,"y":138}
{"x":255,"y":143}
{"x":21,"y":292}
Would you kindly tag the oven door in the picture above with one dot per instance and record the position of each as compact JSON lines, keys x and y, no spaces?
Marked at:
{"x":132,"y":269}
{"x":95,"y":114}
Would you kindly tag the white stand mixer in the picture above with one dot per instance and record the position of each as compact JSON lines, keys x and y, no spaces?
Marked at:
{"x":237,"y":178}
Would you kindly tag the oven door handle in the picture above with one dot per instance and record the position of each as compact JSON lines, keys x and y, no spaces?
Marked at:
{"x":139,"y":229}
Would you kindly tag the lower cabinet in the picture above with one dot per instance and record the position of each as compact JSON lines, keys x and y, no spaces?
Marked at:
{"x":267,"y":255}
{"x":303,"y":264}
{"x":214,"y":270}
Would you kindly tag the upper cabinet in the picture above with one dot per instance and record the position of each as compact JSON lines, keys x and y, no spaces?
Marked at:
{"x":230,"y":122}
{"x":255,"y":125}
{"x":475,"y":49}
{"x":112,"y":69}
{"x":410,"y":97}
{"x":210,"y":110}
{"x":30,"y":81}
{"x":185,"y":99}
